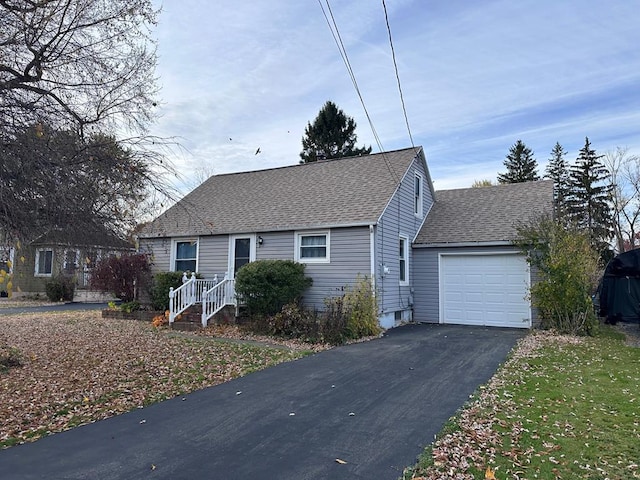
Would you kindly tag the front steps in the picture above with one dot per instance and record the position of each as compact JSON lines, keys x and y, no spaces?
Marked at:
{"x":191,"y":318}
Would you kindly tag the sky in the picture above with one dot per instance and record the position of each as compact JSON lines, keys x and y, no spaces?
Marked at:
{"x":476,"y":76}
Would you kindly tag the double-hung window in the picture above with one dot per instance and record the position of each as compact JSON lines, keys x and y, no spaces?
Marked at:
{"x":312,"y":247}
{"x":44,"y":262}
{"x":185,"y":256}
{"x":404,"y":261}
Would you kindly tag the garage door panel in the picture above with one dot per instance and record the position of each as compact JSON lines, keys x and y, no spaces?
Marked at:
{"x":485,"y":290}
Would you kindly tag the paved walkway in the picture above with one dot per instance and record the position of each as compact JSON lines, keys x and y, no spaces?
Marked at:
{"x":374,"y":405}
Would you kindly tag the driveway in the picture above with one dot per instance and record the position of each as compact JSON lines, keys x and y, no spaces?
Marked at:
{"x":373,"y":405}
{"x":58,"y":307}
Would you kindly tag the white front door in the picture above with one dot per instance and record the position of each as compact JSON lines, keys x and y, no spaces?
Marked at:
{"x":242,"y":250}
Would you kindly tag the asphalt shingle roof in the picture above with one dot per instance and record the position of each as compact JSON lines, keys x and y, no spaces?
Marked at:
{"x":346,"y":191}
{"x":485,"y":214}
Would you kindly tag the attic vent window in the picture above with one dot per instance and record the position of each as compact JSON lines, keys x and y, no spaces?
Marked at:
{"x":417,"y":195}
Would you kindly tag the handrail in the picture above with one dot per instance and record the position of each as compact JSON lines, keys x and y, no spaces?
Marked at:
{"x":182,"y":297}
{"x":217,"y":297}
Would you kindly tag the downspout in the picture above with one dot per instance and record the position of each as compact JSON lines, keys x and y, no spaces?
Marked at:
{"x":372,"y":258}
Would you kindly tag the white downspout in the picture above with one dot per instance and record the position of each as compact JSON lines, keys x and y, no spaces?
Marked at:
{"x":372,"y":249}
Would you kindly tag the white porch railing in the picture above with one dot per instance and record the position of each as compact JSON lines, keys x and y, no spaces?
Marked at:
{"x":212,"y":294}
{"x":217,"y":297}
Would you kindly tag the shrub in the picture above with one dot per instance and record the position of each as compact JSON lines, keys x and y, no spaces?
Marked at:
{"x":9,"y":357}
{"x":122,"y":276}
{"x":265,"y":286}
{"x":129,"y":307}
{"x":162,"y":282}
{"x":362,"y":310}
{"x":568,"y":269}
{"x":60,"y":289}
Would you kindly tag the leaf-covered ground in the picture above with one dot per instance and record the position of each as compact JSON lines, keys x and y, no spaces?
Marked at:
{"x":561,"y":407}
{"x":79,"y":368}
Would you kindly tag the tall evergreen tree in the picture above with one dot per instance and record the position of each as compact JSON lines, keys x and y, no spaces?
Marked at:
{"x":558,"y":171}
{"x":521,"y":166}
{"x":332,"y":135}
{"x":589,"y":198}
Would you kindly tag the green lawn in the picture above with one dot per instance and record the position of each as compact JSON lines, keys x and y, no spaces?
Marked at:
{"x":560,"y":408}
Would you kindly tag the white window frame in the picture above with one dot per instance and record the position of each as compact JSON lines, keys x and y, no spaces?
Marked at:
{"x":405,"y":258}
{"x":174,"y":252}
{"x":231,"y":259}
{"x":418,"y":196}
{"x":298,"y":246}
{"x":37,"y":272}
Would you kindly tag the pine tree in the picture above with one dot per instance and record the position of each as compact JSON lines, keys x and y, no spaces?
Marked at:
{"x":589,"y":197}
{"x":521,"y":166}
{"x":558,"y":171}
{"x":332,"y":135}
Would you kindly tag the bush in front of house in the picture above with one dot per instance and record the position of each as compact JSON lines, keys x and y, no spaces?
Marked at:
{"x":568,"y":268}
{"x":265,"y":286}
{"x":60,"y":289}
{"x":124,"y":276}
{"x":347,"y":317}
{"x":162,"y":283}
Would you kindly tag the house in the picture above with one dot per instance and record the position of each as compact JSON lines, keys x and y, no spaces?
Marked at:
{"x":341,"y":218}
{"x":364,"y":215}
{"x":59,"y":252}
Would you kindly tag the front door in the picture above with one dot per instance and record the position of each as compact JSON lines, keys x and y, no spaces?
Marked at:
{"x":242,"y":250}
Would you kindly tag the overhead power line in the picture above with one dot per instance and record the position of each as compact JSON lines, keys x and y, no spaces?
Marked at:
{"x":345,"y":58}
{"x":395,"y":66}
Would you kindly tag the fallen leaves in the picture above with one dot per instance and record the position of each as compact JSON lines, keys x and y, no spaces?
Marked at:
{"x":80,"y":368}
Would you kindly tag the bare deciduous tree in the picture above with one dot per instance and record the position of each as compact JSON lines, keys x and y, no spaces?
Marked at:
{"x":73,"y":72}
{"x":624,"y":170}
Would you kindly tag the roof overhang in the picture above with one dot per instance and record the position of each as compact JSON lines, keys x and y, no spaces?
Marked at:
{"x":497,"y":243}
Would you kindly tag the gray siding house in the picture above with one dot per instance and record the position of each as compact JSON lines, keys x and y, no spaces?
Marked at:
{"x":465,"y":267}
{"x":439,"y":257}
{"x":343,"y":218}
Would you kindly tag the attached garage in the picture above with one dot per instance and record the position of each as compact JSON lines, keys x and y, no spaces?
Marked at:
{"x":465,"y":267}
{"x":486,"y":289}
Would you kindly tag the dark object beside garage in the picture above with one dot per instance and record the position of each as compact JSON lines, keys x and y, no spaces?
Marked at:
{"x":619,"y":290}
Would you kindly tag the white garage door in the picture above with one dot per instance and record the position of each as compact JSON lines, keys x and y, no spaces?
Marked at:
{"x":486,"y":290}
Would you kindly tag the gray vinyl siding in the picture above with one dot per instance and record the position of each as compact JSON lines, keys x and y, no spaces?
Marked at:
{"x":427,"y":280}
{"x":160,"y":250}
{"x":349,"y":257}
{"x":399,"y":219}
{"x":275,"y":246}
{"x":213,"y":254}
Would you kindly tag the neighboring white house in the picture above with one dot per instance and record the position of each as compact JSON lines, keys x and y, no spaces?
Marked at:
{"x":341,"y":218}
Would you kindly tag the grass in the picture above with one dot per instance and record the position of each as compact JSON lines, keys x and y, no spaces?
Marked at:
{"x":77,"y":368}
{"x":560,"y":408}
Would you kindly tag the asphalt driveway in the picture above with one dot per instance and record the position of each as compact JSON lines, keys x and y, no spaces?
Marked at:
{"x":373,"y":405}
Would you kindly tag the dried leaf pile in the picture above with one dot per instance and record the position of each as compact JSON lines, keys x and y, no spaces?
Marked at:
{"x":79,"y":368}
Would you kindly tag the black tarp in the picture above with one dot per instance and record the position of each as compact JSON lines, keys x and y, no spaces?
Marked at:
{"x":619,"y":291}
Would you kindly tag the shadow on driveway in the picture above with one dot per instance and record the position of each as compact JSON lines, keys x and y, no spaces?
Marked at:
{"x":374,"y":405}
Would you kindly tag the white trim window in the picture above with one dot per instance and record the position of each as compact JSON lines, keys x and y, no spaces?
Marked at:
{"x":184,"y":255}
{"x":417,"y":195}
{"x":404,"y":260}
{"x":44,"y":262}
{"x":312,"y":247}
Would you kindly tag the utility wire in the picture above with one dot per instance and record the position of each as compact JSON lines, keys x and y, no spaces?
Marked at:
{"x":345,"y":58}
{"x":395,"y":66}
